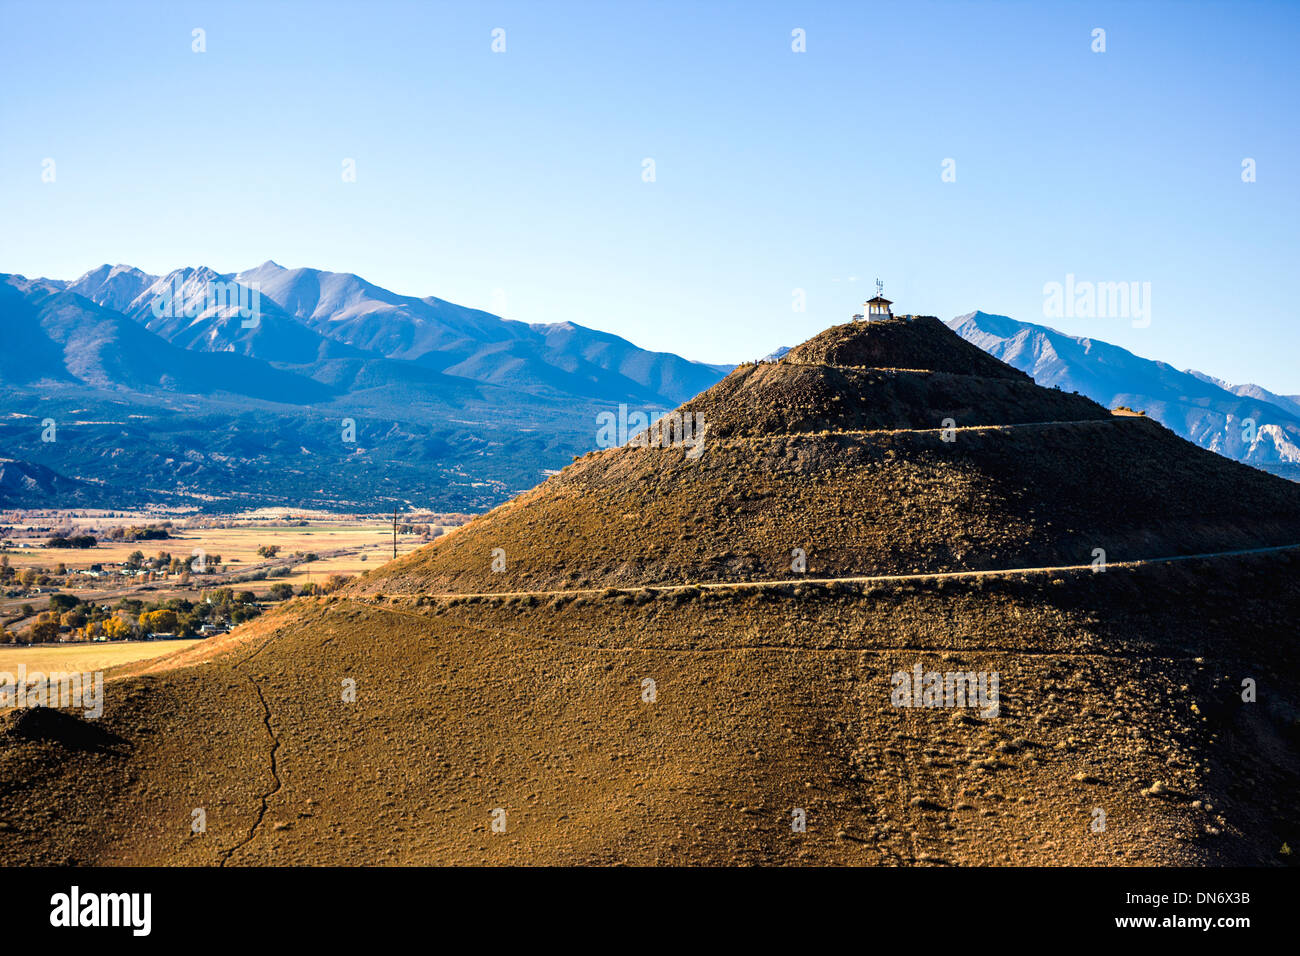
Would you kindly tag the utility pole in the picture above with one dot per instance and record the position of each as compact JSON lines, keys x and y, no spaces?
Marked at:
{"x":394,"y":532}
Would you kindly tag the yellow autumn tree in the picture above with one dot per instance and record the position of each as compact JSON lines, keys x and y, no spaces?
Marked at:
{"x":161,"y":621}
{"x":116,"y":629}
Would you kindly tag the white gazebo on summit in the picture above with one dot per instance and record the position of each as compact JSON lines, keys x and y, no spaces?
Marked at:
{"x":877,"y":309}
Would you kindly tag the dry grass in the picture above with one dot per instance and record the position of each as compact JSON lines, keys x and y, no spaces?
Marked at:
{"x":896,"y":502}
{"x":85,"y":658}
{"x":763,"y":704}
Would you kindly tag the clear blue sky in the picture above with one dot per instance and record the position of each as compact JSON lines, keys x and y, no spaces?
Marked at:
{"x":522,"y":171}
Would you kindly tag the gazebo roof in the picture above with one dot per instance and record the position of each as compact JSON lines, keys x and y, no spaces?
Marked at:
{"x":879,"y":300}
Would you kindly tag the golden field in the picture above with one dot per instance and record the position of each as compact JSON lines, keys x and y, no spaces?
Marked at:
{"x":237,"y":546}
{"x":85,"y":657}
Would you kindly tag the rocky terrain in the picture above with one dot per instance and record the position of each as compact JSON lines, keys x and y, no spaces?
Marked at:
{"x":337,"y":394}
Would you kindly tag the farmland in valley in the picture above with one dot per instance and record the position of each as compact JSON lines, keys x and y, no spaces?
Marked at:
{"x":261,"y":556}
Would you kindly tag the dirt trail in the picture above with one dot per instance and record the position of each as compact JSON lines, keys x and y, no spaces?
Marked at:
{"x":767,"y":436}
{"x":872,"y":579}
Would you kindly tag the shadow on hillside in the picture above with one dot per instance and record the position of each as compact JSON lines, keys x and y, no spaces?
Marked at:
{"x":46,"y":725}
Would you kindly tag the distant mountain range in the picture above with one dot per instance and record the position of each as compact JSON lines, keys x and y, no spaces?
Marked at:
{"x":160,"y":389}
{"x":1200,"y":408}
{"x":123,"y":388}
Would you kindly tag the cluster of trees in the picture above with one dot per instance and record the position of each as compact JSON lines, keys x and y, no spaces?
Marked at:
{"x":328,"y":586}
{"x":63,"y":609}
{"x":163,"y":561}
{"x":423,"y":530}
{"x":44,"y":632}
{"x":67,"y":617}
{"x":76,"y":541}
{"x":282,"y":591}
{"x":133,"y":618}
{"x":183,"y":618}
{"x":148,"y":532}
{"x":268,"y":550}
{"x":27,"y":577}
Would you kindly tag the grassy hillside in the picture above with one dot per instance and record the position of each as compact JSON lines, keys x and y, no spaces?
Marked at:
{"x":625,"y":724}
{"x":765,"y":702}
{"x":851,"y":465}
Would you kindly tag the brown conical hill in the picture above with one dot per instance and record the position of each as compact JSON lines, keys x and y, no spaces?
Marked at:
{"x":788,"y":398}
{"x":850,"y":465}
{"x":892,"y":374}
{"x":725,"y":722}
{"x":914,"y":342}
